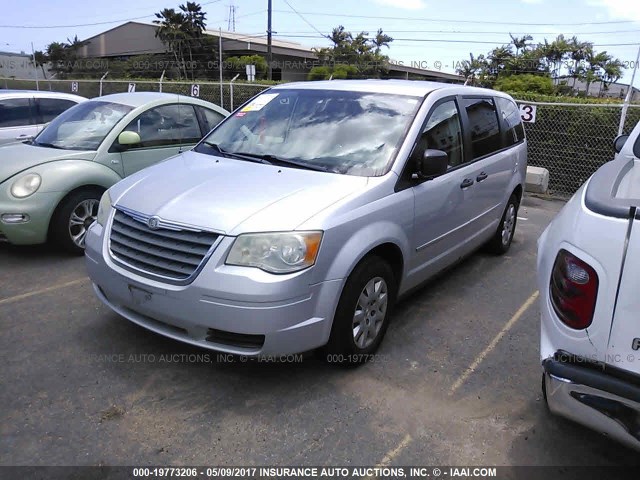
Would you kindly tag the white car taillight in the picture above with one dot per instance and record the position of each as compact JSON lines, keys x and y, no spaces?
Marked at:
{"x":573,"y":289}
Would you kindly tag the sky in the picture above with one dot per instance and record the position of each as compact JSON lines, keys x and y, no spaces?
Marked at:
{"x":427,"y":33}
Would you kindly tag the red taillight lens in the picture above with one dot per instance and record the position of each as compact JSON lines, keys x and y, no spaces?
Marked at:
{"x":573,"y":289}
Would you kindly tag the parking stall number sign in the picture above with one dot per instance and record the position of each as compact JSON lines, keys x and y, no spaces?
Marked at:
{"x":528,"y":113}
{"x":195,"y":90}
{"x":132,"y":87}
{"x":74,"y":87}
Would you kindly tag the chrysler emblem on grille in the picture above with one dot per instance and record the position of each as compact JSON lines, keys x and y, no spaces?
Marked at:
{"x":153,"y":222}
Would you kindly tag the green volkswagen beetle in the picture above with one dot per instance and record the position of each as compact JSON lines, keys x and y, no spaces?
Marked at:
{"x":50,"y":187}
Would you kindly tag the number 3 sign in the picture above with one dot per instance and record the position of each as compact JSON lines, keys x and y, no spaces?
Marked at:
{"x":528,"y":113}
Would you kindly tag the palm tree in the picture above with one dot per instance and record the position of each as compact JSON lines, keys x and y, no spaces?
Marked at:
{"x":520,"y":43}
{"x":193,"y":25}
{"x":170,"y":31}
{"x":611,"y":73}
{"x":381,"y":40}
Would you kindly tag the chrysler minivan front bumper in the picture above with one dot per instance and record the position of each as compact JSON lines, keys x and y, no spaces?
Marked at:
{"x":231,"y":309}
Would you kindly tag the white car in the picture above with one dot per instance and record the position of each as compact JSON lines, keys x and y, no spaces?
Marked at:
{"x":24,"y":113}
{"x":588,"y":276}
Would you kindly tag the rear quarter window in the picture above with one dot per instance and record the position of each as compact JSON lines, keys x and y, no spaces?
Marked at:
{"x":511,"y":122}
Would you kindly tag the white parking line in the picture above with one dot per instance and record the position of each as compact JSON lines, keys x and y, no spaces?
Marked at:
{"x":22,"y":296}
{"x":391,"y":454}
{"x":523,"y":218}
{"x":476,"y":363}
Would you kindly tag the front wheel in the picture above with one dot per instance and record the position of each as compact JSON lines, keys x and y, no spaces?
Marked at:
{"x":502,"y":238}
{"x":72,"y":219}
{"x":363,"y":312}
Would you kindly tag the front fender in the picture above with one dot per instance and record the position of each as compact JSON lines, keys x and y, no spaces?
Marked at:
{"x":352,"y":249}
{"x":66,"y":175}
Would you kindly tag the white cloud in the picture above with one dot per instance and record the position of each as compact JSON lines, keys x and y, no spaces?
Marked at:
{"x":532,"y":1}
{"x":403,"y":4}
{"x":622,"y":9}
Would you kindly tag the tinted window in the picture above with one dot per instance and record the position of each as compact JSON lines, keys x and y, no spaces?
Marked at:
{"x":511,"y":122}
{"x":50,"y":108}
{"x":442,"y":132}
{"x":483,"y":122}
{"x":15,"y":112}
{"x":211,"y":118}
{"x":166,"y":125}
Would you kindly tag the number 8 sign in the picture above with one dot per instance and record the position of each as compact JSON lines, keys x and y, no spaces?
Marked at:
{"x":528,"y":113}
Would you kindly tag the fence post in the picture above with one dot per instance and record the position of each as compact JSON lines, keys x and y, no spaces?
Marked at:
{"x":231,"y":92}
{"x":101,"y":79}
{"x":160,"y":83}
{"x":627,"y":100}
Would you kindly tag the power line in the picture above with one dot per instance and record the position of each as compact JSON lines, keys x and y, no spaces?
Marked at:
{"x":91,"y":24}
{"x":305,"y":20}
{"x":457,"y":20}
{"x":475,"y":32}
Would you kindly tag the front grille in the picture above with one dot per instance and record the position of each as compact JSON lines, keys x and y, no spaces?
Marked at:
{"x":169,"y":251}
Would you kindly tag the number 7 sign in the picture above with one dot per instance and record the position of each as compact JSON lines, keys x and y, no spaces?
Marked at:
{"x":528,"y":113}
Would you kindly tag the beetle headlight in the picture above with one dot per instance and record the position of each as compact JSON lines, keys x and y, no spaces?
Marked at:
{"x":276,"y":252}
{"x":104,"y":208}
{"x":26,"y":185}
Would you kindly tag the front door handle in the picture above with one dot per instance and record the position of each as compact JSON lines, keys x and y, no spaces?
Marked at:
{"x":481,"y":177}
{"x":467,"y":182}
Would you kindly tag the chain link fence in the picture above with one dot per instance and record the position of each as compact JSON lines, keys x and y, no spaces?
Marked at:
{"x":573,"y":140}
{"x":570,"y":140}
{"x":228,"y":94}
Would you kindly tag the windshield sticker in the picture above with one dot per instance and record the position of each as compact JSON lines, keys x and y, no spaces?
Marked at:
{"x":259,"y":102}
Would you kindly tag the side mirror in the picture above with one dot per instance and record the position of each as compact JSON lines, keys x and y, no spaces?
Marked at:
{"x":619,"y":142}
{"x":433,"y":163}
{"x":128,"y":138}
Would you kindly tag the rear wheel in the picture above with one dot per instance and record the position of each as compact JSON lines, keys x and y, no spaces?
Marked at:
{"x":363,"y":312}
{"x":502,"y":238}
{"x":72,"y":219}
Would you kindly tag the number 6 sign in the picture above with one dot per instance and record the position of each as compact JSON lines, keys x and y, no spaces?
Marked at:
{"x":528,"y":113}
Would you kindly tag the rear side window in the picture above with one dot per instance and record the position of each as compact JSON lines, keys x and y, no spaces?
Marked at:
{"x":15,"y":112}
{"x":50,"y":108}
{"x":511,"y":122}
{"x":483,"y":124}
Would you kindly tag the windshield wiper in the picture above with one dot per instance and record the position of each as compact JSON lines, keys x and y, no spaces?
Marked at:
{"x":273,"y":159}
{"x":48,"y":145}
{"x":242,"y":156}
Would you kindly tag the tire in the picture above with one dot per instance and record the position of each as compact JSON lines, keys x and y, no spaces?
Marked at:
{"x":352,"y":339}
{"x":502,"y":238}
{"x":72,"y":218}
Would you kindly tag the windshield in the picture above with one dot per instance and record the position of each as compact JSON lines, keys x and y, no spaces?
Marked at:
{"x":355,"y":133}
{"x":82,"y":127}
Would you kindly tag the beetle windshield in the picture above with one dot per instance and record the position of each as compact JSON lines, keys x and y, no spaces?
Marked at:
{"x":355,"y":133}
{"x":82,"y":127}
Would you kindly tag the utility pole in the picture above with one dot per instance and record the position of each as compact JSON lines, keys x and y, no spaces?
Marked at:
{"x":269,"y":54}
{"x":627,"y":100}
{"x":35,"y":65}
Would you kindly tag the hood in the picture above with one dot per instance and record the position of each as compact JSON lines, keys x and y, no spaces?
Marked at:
{"x":232,"y":196}
{"x":17,"y":157}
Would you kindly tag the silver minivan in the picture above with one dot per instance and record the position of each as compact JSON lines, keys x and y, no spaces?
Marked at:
{"x":301,"y":218}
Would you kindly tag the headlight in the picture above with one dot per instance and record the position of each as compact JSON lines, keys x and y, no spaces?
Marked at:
{"x":104,"y":208}
{"x":276,"y":252}
{"x":25,"y":186}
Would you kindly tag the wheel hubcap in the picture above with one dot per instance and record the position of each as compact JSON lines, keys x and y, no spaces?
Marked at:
{"x":508,"y":224}
{"x":370,"y":312}
{"x":81,"y":218}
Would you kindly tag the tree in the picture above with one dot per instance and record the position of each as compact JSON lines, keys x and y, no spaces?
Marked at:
{"x":170,"y":32}
{"x":520,"y":43}
{"x":352,"y":56}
